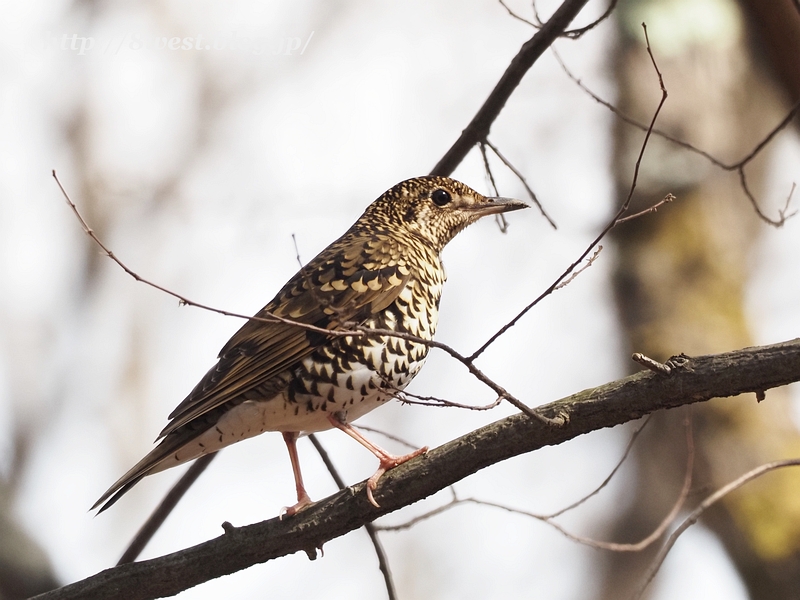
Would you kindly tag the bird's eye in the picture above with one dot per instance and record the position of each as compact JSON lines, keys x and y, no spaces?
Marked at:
{"x":441,"y":197}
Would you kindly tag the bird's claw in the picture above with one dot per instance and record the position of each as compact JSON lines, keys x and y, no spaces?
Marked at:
{"x":302,"y":504}
{"x":389,"y":462}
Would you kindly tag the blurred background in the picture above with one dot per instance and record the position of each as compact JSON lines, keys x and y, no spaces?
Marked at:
{"x":268,"y":119}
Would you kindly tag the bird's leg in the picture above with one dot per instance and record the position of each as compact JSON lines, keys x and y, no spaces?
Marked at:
{"x":387,"y":461}
{"x":303,"y":500}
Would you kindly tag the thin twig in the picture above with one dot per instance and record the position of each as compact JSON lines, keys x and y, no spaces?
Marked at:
{"x":388,"y":435}
{"x":649,"y":363}
{"x":537,"y":19}
{"x":576,"y":33}
{"x":475,"y":371}
{"x":615,"y":547}
{"x":163,"y":510}
{"x":620,"y":212}
{"x":666,"y":200}
{"x":500,"y":218}
{"x":704,"y":506}
{"x":607,"y":480}
{"x":182,"y":299}
{"x":433,"y":401}
{"x":737,"y":167}
{"x":522,"y":180}
{"x":523,"y":19}
{"x":572,"y":34}
{"x":480,"y":125}
{"x":358,"y":330}
{"x":576,"y":272}
{"x":383,"y":561}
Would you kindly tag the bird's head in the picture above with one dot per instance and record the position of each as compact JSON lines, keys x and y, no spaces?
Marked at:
{"x":435,"y":209}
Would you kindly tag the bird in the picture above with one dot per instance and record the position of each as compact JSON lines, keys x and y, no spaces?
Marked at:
{"x":306,"y":362}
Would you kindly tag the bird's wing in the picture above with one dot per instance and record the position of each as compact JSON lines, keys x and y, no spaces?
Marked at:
{"x":334,"y":289}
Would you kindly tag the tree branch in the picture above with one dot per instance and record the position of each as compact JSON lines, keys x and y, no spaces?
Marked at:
{"x":690,"y":380}
{"x":478,"y":128}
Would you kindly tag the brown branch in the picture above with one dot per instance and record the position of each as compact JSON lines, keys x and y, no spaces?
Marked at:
{"x":612,"y":546}
{"x":475,"y":371}
{"x":705,"y":505}
{"x":609,"y":477}
{"x":581,"y":269}
{"x":666,"y":200}
{"x":576,"y":33}
{"x":695,"y":380}
{"x":737,"y":167}
{"x":383,"y":562}
{"x":163,"y":510}
{"x":519,"y":176}
{"x":478,"y":129}
{"x":613,"y":223}
{"x":523,"y":19}
{"x":500,"y":218}
{"x":183,"y":299}
{"x":432,"y":401}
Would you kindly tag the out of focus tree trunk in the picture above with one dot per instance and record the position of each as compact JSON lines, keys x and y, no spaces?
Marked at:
{"x":24,"y":567}
{"x":681,"y":276}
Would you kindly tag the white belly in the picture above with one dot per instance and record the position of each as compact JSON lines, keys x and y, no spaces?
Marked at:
{"x":253,"y":417}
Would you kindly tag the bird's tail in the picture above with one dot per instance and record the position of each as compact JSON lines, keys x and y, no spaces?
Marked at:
{"x":159,"y":458}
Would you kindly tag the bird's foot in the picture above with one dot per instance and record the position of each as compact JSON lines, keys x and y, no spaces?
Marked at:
{"x":389,"y":461}
{"x":302,"y":504}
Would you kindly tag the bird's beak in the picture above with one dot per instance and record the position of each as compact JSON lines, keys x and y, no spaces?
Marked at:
{"x":495,"y":205}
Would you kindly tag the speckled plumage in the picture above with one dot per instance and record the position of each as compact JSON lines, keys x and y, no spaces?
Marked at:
{"x":383,"y":273}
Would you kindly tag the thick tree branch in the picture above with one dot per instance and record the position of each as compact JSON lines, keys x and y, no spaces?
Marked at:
{"x":691,"y":380}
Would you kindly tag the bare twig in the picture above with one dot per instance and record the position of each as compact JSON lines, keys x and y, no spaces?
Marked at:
{"x":576,"y":33}
{"x":578,"y":271}
{"x":651,"y":364}
{"x":607,"y":480}
{"x":537,"y":20}
{"x":615,"y":547}
{"x":383,"y":561}
{"x":666,"y":200}
{"x":409,"y":398}
{"x":573,"y":34}
{"x":523,"y":19}
{"x":737,"y":167}
{"x":704,"y":506}
{"x":500,"y":218}
{"x":357,"y":330}
{"x":163,"y":510}
{"x":620,"y":212}
{"x":521,"y":178}
{"x":488,"y":168}
{"x":481,"y":123}
{"x":388,"y":436}
{"x":676,"y":507}
{"x":475,"y":371}
{"x":182,"y":299}
{"x":405,"y":525}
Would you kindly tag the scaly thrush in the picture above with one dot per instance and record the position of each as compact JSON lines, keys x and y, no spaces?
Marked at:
{"x":383,"y":273}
